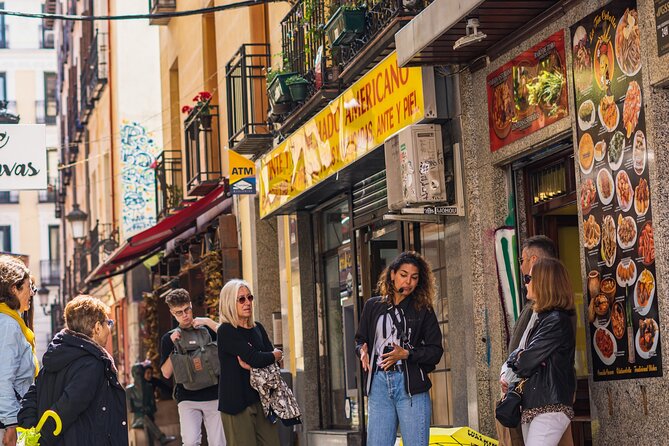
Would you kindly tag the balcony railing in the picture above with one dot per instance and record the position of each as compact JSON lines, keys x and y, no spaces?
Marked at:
{"x":9,"y":197}
{"x":383,"y":19}
{"x":161,"y":6}
{"x":93,"y":74}
{"x":45,"y":112}
{"x":169,"y":182}
{"x":47,"y":38}
{"x":248,"y":130}
{"x":50,"y":272}
{"x":304,"y":52}
{"x":203,"y":153}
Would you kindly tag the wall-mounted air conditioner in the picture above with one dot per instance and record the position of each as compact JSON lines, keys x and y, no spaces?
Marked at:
{"x":422,"y":177}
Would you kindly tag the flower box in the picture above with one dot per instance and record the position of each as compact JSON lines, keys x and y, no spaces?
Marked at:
{"x":345,"y":25}
{"x":277,"y":90}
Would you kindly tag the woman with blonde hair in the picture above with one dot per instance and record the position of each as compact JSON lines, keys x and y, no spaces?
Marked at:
{"x":547,"y":361}
{"x":18,"y":363}
{"x":243,"y":343}
{"x":399,"y":343}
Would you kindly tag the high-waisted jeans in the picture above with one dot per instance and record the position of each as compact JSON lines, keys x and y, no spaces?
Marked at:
{"x":389,"y":403}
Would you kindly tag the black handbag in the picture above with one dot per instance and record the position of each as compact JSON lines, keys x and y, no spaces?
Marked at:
{"x":507,"y":410}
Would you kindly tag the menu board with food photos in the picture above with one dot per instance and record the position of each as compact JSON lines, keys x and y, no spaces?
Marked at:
{"x":615,"y":194}
{"x":528,"y":93}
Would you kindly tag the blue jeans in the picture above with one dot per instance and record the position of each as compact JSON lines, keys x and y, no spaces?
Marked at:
{"x":389,"y":403}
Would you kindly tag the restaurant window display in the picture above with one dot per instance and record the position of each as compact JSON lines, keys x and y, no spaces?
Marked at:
{"x":615,"y":199}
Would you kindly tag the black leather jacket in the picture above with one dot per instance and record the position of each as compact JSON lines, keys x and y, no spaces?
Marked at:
{"x":548,"y":361}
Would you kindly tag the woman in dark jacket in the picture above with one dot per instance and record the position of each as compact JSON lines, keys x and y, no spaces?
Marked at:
{"x":243,"y":343}
{"x":79,"y":382}
{"x":399,"y":342}
{"x":548,"y":360}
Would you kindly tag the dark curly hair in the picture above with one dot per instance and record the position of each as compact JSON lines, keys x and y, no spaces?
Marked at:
{"x":177,"y":297}
{"x":425,"y":291}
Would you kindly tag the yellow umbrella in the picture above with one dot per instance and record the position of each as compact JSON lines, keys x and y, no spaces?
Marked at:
{"x":30,"y":437}
{"x":459,"y":436}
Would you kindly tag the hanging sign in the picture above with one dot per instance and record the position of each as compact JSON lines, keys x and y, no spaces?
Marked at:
{"x":662,"y":26}
{"x":242,"y":174}
{"x":615,"y":199}
{"x":23,"y":164}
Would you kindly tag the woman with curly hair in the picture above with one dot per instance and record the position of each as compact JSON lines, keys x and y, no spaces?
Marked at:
{"x":399,"y":343}
{"x":18,"y":363}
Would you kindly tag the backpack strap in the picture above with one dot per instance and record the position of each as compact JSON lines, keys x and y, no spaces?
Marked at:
{"x":177,"y":343}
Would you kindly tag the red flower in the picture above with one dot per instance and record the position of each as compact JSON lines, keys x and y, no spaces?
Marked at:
{"x":204,"y":96}
{"x":186,"y":109}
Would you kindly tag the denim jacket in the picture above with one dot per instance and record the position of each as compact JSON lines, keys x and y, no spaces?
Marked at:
{"x":17,"y":370}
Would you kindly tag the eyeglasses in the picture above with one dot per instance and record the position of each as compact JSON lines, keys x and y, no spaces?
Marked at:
{"x":527,"y":279}
{"x":110,"y":323}
{"x":242,"y":299}
{"x":33,"y":289}
{"x":520,"y":261}
{"x":180,"y":313}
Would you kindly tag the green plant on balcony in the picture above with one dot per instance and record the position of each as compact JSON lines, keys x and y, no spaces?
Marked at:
{"x":201,"y":109}
{"x":347,"y":23}
{"x":277,"y":89}
{"x":174,"y":196}
{"x":298,"y":87}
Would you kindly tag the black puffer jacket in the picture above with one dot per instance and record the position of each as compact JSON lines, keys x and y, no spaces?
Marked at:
{"x":78,"y":382}
{"x":424,"y":334}
{"x":548,"y":361}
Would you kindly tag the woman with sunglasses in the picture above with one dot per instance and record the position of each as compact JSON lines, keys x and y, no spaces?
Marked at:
{"x":79,"y":382}
{"x":546,"y":358}
{"x":243,"y":343}
{"x":18,"y":364}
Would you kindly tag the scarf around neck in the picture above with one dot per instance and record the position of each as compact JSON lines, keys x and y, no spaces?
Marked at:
{"x":27,"y":332}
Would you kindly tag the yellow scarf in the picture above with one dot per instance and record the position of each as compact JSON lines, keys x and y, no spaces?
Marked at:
{"x":27,"y":332}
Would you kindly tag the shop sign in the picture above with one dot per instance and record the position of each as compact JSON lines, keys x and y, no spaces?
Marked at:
{"x":662,"y":26}
{"x":528,"y":93}
{"x":242,"y":174}
{"x":23,"y":157}
{"x":385,"y":100}
{"x":615,"y":199}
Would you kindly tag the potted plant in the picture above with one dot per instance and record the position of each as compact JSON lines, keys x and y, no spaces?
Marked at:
{"x":345,"y":25}
{"x":298,"y":87}
{"x":202,"y":100}
{"x":277,"y":90}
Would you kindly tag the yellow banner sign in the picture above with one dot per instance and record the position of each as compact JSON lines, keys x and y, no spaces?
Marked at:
{"x":385,"y":100}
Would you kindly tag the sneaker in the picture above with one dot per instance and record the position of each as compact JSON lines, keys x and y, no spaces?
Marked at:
{"x":166,"y":439}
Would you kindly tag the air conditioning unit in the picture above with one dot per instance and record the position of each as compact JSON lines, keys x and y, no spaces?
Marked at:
{"x":419,"y":179}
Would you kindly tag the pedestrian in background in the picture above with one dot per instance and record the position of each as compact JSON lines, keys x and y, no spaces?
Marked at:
{"x":18,"y":363}
{"x":547,"y":363}
{"x":79,"y":382}
{"x":195,"y":406}
{"x":243,"y":344}
{"x":399,"y":343}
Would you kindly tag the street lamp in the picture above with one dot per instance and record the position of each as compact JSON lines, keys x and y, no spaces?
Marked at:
{"x":43,"y":294}
{"x":77,"y":219}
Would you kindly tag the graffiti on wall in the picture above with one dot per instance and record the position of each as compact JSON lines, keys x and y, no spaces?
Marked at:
{"x":138,"y":156}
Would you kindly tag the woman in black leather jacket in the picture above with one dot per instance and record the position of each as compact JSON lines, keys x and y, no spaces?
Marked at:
{"x":399,"y":342}
{"x":548,"y":360}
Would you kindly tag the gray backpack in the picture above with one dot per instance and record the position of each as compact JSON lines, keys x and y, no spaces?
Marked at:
{"x":195,"y":359}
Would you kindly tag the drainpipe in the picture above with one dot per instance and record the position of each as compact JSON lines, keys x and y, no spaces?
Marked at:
{"x":111,"y":115}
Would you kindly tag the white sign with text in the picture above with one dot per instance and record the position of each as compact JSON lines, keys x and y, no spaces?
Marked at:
{"x":23,"y":163}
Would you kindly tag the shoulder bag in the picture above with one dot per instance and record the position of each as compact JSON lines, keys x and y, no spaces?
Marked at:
{"x":507,"y":410}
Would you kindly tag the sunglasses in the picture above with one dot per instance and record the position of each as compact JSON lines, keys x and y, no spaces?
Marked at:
{"x":33,"y":289}
{"x":110,"y":323}
{"x":527,"y":279}
{"x":183,"y":312}
{"x":242,"y":299}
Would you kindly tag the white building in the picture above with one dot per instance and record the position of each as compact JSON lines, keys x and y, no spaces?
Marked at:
{"x":28,"y":224}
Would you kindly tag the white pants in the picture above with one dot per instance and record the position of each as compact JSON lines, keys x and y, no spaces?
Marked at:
{"x":545,"y":429}
{"x":191,"y":415}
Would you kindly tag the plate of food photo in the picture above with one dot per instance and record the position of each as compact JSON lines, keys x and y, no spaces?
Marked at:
{"x":588,"y":195}
{"x":641,"y":198}
{"x":638,"y":152}
{"x":618,"y":320}
{"x":605,"y":187}
{"x":626,"y":272}
{"x":605,"y":345}
{"x":646,"y":248}
{"x":503,"y":108}
{"x":609,"y":245}
{"x":609,"y":115}
{"x":616,"y":149}
{"x":591,"y":232}
{"x":586,"y":153}
{"x":624,"y":191}
{"x":644,"y":291}
{"x":600,"y":150}
{"x":586,"y":115}
{"x":626,"y":231}
{"x":628,"y":43}
{"x":646,"y":338}
{"x":631,"y":107}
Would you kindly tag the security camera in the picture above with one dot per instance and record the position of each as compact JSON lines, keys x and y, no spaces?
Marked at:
{"x":473,"y":35}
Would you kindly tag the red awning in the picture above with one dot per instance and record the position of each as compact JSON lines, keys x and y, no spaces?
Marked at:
{"x":150,"y":241}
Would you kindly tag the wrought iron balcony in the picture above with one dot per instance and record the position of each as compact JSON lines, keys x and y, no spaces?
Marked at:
{"x":383,"y":19}
{"x":93,"y":74}
{"x":203,"y":150}
{"x":248,"y":130}
{"x":47,"y":37}
{"x":45,"y":112}
{"x":169,"y":182}
{"x":50,"y":272}
{"x":304,"y":53}
{"x":159,"y":7}
{"x":50,"y":7}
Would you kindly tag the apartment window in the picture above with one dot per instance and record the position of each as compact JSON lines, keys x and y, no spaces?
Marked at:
{"x":3,"y":81}
{"x":5,"y":238}
{"x":3,"y":29}
{"x":50,"y":98}
{"x":9,"y":197}
{"x":54,"y":242}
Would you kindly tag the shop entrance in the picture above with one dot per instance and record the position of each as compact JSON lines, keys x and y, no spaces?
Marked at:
{"x":550,"y":203}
